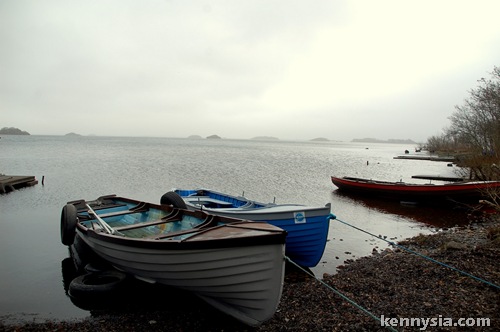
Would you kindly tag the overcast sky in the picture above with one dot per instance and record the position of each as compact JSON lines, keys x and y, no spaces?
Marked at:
{"x":239,"y":69}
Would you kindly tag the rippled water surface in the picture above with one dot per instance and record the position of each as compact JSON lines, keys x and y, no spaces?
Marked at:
{"x":32,"y":256}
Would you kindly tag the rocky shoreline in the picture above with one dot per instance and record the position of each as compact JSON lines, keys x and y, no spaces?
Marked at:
{"x":390,"y":284}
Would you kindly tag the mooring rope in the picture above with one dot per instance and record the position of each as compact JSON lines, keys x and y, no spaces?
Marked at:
{"x":364,"y":310}
{"x":332,"y":216}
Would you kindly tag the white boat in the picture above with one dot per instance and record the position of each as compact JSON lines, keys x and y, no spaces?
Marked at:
{"x":237,"y":266}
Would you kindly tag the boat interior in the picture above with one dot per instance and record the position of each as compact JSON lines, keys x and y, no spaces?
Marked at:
{"x":139,"y":219}
{"x":214,"y":200}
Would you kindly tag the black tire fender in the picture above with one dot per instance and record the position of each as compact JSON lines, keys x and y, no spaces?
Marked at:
{"x":68,"y":224}
{"x":96,"y":284}
{"x":172,"y":198}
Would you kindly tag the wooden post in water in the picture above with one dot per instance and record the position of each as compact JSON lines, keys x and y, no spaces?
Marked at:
{"x":43,"y":180}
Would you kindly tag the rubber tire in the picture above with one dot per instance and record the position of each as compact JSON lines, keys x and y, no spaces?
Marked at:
{"x":96,"y":284}
{"x":68,"y":224}
{"x":172,"y":198}
{"x":82,"y":254}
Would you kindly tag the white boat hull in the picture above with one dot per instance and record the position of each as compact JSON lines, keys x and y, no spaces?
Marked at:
{"x":244,"y":282}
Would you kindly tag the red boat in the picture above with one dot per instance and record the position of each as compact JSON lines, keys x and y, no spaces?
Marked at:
{"x":467,"y":190}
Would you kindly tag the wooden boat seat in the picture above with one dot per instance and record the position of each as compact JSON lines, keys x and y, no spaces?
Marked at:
{"x":204,"y":199}
{"x":200,"y":228}
{"x":172,"y":234}
{"x":136,"y":209}
{"x":174,"y":216}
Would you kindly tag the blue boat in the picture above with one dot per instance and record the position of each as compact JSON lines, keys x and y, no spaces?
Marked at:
{"x":306,"y":226}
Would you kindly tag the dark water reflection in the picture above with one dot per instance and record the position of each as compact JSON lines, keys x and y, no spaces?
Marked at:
{"x":438,"y":214}
{"x":133,"y":295}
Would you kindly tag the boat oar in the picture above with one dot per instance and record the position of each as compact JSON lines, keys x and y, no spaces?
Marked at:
{"x":101,"y":222}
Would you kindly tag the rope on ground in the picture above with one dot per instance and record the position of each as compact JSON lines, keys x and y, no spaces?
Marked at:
{"x":364,"y":310}
{"x":332,"y":216}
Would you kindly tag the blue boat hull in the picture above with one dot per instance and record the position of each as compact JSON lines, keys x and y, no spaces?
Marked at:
{"x":305,"y":243}
{"x":307,"y":227}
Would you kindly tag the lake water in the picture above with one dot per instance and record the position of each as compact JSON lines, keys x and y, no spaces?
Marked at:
{"x":31,"y":254}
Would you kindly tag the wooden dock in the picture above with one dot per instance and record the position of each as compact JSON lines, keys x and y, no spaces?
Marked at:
{"x":10,"y":183}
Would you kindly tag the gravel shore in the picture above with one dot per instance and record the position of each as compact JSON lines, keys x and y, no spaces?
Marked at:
{"x":393,"y":283}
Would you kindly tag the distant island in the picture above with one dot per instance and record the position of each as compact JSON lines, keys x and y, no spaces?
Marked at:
{"x":320,"y":139}
{"x":72,"y":134}
{"x":391,"y":140}
{"x":265,"y":138}
{"x":12,"y":131}
{"x":213,"y":137}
